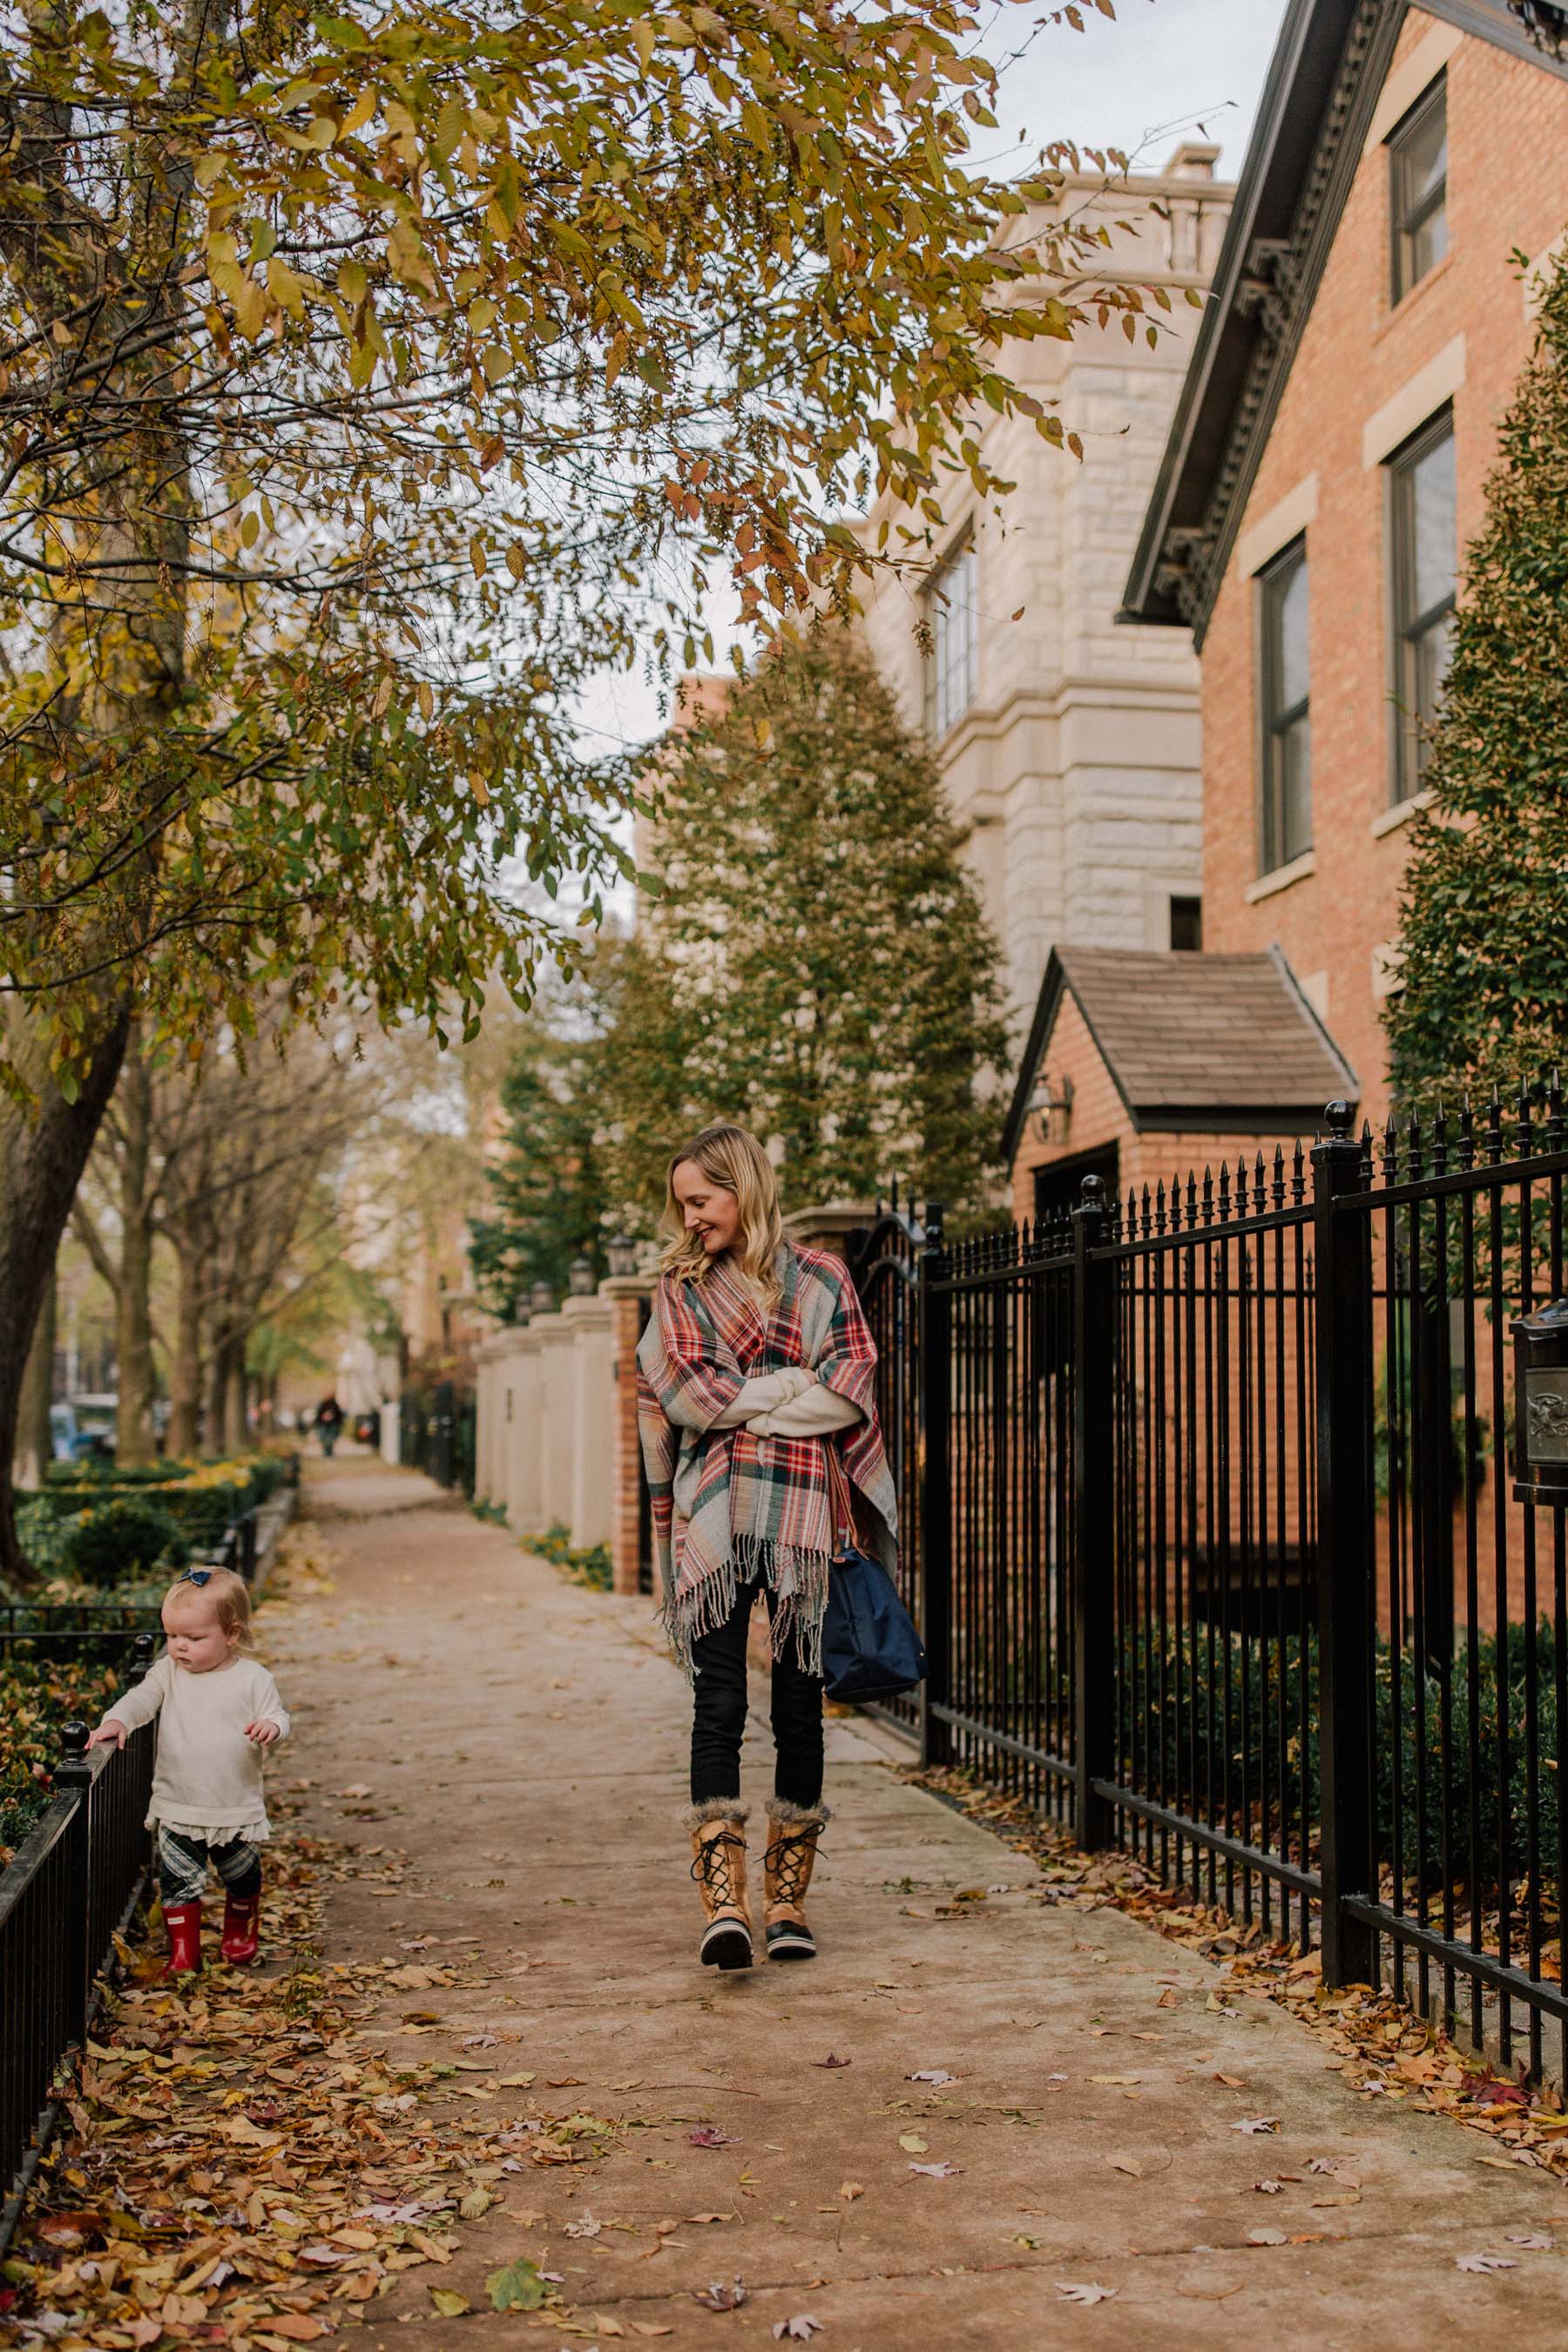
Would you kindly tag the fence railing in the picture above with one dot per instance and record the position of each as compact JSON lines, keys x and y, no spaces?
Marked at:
{"x":436,"y":1434}
{"x":884,"y":1261}
{"x":1210,"y":1534}
{"x":67,"y":1894}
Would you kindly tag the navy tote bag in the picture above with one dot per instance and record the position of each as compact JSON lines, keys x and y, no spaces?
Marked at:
{"x":869,"y":1645}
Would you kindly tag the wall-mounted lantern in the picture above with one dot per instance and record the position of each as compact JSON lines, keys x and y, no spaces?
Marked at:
{"x":622,"y":1255}
{"x":580,"y":1276}
{"x":1540,"y":1405}
{"x":1050,"y":1109}
{"x":542,"y":1298}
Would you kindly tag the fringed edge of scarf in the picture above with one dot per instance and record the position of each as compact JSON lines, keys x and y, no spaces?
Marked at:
{"x":799,"y":1578}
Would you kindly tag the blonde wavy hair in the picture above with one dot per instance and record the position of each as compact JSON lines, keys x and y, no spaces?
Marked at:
{"x":731,"y":1157}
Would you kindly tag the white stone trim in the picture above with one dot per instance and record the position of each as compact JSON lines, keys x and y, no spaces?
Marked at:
{"x":1410,"y":79}
{"x":1159,"y":889}
{"x":1387,"y":970}
{"x":1413,"y":404}
{"x":1400,"y":814}
{"x":1300,"y":869}
{"x":1314,"y":987}
{"x":1543,"y":266}
{"x":1284,"y":521}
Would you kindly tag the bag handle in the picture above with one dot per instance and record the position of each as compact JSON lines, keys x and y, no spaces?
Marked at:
{"x":839,"y":1503}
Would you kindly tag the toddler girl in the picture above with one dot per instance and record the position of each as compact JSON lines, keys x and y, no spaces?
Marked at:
{"x":218,"y":1711}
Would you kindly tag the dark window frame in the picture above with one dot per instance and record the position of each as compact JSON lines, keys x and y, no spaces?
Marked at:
{"x":1408,"y":627}
{"x":1189,"y":918}
{"x":945,"y":617}
{"x":1276,"y":847}
{"x":1408,"y":216}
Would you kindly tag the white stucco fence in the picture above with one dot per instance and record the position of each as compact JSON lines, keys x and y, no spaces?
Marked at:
{"x":546,"y":1430}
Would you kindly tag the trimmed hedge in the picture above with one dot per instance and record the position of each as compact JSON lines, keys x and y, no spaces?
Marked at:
{"x":202,"y":1498}
{"x":1272,"y":1669}
{"x":121,"y":1539}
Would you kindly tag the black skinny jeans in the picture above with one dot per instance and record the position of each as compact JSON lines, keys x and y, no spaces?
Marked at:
{"x":718,"y":1713}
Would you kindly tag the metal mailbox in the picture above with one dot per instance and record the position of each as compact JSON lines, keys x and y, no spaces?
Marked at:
{"x":1540,"y":1405}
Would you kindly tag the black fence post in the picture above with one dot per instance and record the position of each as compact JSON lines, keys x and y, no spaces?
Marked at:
{"x":248,"y":1546}
{"x":1343,"y":1267}
{"x":73,"y":1776}
{"x":1094,"y":1551}
{"x":936,"y":1493}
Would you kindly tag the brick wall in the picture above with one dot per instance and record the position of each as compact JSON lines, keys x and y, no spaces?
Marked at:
{"x":628,"y":1297}
{"x":1099,"y":1118}
{"x":1508,"y":188}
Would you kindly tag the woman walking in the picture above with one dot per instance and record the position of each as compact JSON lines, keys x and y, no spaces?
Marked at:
{"x":756,"y":1403}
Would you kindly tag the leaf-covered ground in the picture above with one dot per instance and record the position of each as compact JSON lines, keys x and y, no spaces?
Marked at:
{"x":241,"y":2171}
{"x":1388,"y":2052}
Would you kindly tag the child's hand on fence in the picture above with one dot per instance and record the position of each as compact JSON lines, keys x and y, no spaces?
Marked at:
{"x":111,"y":1728}
{"x":263,"y":1732}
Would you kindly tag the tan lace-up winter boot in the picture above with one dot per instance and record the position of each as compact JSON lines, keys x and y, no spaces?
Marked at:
{"x":787,"y":1861}
{"x":719,"y":1866}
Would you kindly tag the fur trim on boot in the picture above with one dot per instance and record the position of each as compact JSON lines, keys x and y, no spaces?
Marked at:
{"x":715,"y":1808}
{"x":788,"y":1860}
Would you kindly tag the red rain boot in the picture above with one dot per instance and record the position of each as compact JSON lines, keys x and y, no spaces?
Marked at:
{"x":184,"y":1922}
{"x":241,"y":1930}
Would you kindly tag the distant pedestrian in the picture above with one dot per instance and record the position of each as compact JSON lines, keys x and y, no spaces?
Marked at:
{"x":328,"y":1423}
{"x":217,"y":1712}
{"x":756,"y":1398}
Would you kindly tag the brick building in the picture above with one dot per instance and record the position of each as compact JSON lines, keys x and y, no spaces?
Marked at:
{"x":1144,"y":1066}
{"x":1328,"y":460}
{"x":1068,"y":747}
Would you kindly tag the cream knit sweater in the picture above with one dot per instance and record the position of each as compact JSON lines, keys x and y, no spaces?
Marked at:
{"x":206,"y":1780}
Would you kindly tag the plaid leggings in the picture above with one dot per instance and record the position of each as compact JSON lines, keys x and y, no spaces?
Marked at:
{"x":182,"y":1867}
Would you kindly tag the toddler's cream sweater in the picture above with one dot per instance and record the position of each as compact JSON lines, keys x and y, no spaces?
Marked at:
{"x":207,"y":1776}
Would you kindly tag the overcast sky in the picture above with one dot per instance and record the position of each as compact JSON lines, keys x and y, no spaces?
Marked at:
{"x":1153,"y":76}
{"x":1162,"y":71}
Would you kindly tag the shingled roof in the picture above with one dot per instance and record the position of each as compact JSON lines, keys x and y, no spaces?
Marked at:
{"x":1213,"y":1043}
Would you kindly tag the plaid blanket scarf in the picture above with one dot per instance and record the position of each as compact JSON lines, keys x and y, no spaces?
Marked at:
{"x":729,"y":1508}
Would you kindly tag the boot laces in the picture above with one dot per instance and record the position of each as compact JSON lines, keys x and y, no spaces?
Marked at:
{"x":713,"y":1867}
{"x":790,"y":1858}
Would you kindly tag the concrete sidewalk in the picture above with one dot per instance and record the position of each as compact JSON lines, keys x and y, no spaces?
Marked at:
{"x":522,"y":1741}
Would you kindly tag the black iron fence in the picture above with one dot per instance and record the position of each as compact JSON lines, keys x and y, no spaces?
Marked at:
{"x":65,"y":1898}
{"x":437,"y":1431}
{"x":1210,"y":1530}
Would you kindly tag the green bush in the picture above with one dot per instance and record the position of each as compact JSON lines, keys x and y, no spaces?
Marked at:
{"x":1250,"y":1689}
{"x":205,"y":1498}
{"x":41,"y":1535}
{"x":121,"y":1540}
{"x":592,"y":1566}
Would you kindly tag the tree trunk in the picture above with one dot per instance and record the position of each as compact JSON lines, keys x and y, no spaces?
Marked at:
{"x":185,"y":1370}
{"x":222,"y":1344}
{"x":133,"y":1300}
{"x":35,"y":1431}
{"x":42,"y":1154}
{"x":235,"y":1434}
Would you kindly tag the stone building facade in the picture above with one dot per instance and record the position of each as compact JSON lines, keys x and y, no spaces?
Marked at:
{"x":1068,"y":745}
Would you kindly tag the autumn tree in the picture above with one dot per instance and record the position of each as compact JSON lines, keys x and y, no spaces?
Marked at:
{"x":1484,"y":919}
{"x":815,"y":961}
{"x":365,"y":380}
{"x":547,"y":1202}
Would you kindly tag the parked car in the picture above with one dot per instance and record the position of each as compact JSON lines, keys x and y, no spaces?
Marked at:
{"x":95,"y":1419}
